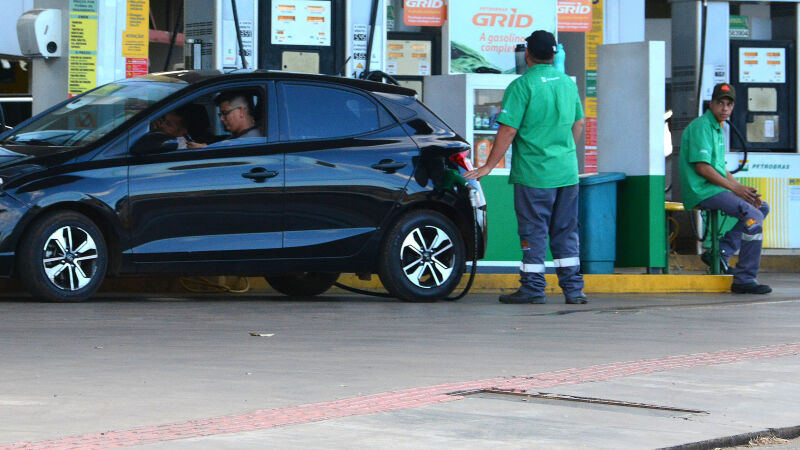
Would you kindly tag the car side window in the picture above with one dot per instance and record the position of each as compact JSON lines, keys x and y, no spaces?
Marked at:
{"x":223,"y":118}
{"x":317,"y":112}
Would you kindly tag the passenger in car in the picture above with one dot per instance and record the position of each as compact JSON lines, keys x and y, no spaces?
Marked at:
{"x":236,"y":114}
{"x":174,"y":124}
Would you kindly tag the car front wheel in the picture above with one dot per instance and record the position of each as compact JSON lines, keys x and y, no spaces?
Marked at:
{"x":63,"y":257}
{"x":422,"y":258}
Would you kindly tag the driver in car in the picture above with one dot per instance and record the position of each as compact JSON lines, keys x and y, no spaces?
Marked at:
{"x":236,"y":114}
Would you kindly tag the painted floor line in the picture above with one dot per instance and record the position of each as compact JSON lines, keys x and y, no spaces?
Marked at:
{"x":397,"y":400}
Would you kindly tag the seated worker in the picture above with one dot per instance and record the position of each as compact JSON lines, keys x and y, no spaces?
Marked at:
{"x":236,"y":114}
{"x":705,"y":182}
{"x":174,"y":124}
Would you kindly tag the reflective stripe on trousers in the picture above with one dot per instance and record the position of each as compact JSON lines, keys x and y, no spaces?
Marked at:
{"x":746,"y":239}
{"x":554,"y":213}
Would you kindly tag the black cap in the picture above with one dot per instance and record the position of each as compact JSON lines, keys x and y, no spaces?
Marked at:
{"x":541,"y":45}
{"x":723,"y":90}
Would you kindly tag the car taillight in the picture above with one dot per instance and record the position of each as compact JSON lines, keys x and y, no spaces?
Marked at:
{"x":462,"y":160}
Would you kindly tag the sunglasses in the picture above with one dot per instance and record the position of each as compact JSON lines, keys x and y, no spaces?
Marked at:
{"x":223,"y":114}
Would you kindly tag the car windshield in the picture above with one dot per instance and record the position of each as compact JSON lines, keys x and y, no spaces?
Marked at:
{"x":91,"y":116}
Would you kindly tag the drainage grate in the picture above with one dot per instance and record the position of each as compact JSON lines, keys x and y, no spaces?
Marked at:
{"x":572,"y":400}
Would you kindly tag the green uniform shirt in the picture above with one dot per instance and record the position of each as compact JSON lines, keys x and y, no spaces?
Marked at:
{"x":702,"y":141}
{"x":542,"y":105}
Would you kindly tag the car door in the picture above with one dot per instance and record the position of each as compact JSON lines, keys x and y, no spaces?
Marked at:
{"x":213,"y":209}
{"x":347,"y":165}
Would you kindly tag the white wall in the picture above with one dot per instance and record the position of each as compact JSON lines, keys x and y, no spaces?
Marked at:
{"x":630,"y":108}
{"x":12,"y":9}
{"x":661,"y":30}
{"x":624,"y":21}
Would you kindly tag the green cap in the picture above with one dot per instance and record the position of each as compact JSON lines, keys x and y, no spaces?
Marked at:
{"x":723,"y":90}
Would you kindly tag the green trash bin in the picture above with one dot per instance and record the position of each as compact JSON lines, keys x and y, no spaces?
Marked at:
{"x":597,"y":216}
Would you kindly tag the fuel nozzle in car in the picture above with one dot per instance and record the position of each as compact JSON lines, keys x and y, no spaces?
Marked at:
{"x":451,"y":179}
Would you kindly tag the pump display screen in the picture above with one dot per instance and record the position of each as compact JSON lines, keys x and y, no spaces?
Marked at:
{"x":301,"y":22}
{"x":762,"y":65}
{"x":408,"y":57}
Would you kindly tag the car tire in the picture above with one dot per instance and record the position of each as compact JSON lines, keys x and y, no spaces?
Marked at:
{"x":306,"y":284}
{"x":422,"y":257}
{"x":62,"y":257}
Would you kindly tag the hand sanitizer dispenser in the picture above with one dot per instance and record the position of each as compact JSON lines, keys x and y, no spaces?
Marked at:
{"x":39,"y":32}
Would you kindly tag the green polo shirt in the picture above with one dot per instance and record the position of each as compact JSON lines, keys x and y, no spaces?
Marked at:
{"x":542,"y":105}
{"x":702,"y":141}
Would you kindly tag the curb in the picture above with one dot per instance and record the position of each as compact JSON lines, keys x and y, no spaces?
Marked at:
{"x":594,"y":284}
{"x":483,"y":284}
{"x":788,"y":433}
{"x":769,"y":263}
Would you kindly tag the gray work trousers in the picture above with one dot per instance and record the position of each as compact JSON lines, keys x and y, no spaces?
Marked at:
{"x":746,"y":236}
{"x":554,"y":213}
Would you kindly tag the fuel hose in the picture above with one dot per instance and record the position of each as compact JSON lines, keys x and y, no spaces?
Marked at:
{"x":473,"y":196}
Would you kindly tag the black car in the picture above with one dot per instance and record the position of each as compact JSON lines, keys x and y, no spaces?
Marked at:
{"x":333,"y":175}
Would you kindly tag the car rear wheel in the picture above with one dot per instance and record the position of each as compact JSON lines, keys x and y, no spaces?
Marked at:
{"x":422,"y":258}
{"x":306,"y":284}
{"x":63,"y":258}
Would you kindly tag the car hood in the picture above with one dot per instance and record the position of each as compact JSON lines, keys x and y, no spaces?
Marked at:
{"x":9,"y":157}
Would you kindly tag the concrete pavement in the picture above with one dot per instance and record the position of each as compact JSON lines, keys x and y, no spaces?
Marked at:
{"x":143,"y":368}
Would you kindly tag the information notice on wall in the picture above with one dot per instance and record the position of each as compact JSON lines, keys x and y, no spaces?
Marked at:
{"x":594,"y":39}
{"x":135,"y":36}
{"x":82,"y":72}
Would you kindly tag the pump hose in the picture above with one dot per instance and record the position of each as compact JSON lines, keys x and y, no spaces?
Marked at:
{"x":744,"y":148}
{"x":471,"y":279}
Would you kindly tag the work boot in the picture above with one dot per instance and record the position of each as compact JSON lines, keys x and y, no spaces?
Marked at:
{"x":520,"y":297}
{"x":751,"y":288}
{"x":579,"y":300}
{"x":723,"y":265}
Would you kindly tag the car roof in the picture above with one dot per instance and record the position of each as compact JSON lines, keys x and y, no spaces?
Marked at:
{"x":211,"y":76}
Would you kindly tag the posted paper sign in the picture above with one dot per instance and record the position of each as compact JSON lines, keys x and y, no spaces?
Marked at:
{"x":82,"y":59}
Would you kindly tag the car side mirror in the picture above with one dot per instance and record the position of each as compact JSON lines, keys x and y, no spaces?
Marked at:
{"x":154,"y":142}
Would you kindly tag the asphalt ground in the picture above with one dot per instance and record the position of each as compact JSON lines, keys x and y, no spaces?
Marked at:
{"x":347,"y":371}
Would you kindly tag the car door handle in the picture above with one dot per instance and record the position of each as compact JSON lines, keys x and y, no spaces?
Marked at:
{"x":389,"y":166}
{"x":259,"y":175}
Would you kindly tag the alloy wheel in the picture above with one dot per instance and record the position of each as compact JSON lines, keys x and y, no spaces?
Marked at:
{"x":427,"y":256}
{"x":70,"y":258}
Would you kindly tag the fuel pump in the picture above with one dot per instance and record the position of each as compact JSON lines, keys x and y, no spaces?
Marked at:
{"x":761,"y":73}
{"x":220,"y":34}
{"x":302,"y":35}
